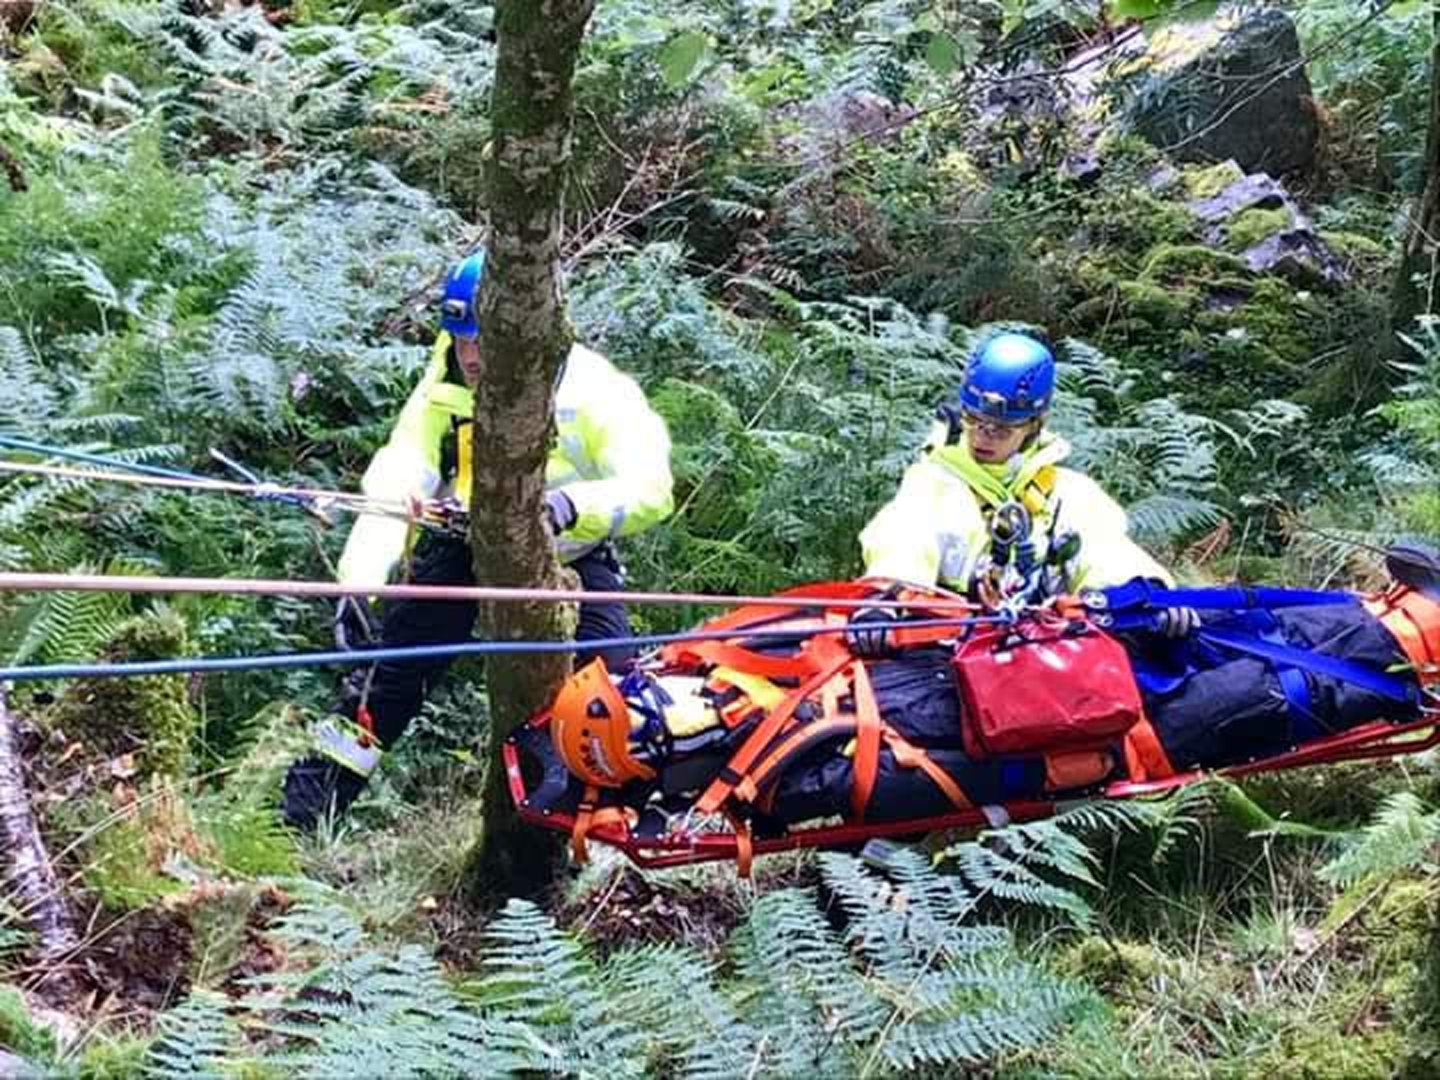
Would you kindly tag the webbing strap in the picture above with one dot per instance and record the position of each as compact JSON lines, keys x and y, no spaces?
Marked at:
{"x":736,"y":768}
{"x":1145,"y":757}
{"x":1303,"y":725}
{"x":1377,"y":682}
{"x":724,"y":654}
{"x":910,"y":756}
{"x":1139,"y":593}
{"x":1414,"y":620}
{"x":584,"y":820}
{"x":758,"y":784}
{"x":744,"y":845}
{"x":867,"y":749}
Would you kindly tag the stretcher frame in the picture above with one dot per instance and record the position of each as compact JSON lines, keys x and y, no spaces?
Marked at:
{"x":1371,"y":741}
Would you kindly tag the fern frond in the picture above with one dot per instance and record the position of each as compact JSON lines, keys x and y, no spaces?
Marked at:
{"x":198,"y":1041}
{"x":1403,"y":835}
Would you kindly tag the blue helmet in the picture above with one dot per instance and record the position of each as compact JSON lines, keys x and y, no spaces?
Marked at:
{"x":457,"y":310}
{"x":1010,"y":378}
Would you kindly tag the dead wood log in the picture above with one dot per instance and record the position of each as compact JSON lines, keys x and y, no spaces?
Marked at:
{"x":34,"y":886}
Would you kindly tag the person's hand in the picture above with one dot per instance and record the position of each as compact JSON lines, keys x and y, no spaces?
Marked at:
{"x":868,"y":632}
{"x":559,"y":511}
{"x":1178,"y":622}
{"x":356,"y":623}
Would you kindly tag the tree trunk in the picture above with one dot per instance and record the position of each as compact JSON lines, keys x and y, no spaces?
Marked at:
{"x":35,"y":887}
{"x":524,"y":339}
{"x":1414,"y":291}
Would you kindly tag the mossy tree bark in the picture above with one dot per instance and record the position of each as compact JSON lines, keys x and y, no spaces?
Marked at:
{"x":524,"y":339}
{"x":1418,"y":274}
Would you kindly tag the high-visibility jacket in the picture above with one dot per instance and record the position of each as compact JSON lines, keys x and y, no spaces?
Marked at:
{"x":936,"y":530}
{"x":611,"y":458}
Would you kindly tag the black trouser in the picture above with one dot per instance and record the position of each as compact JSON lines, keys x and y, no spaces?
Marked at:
{"x":397,"y":689}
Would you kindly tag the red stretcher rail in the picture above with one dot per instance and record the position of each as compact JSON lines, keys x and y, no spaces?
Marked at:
{"x":1368,"y":742}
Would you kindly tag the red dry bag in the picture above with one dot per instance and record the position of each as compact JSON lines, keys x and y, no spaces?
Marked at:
{"x":1038,"y":690}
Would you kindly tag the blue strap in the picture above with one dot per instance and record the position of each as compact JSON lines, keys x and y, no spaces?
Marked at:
{"x":1303,"y":723}
{"x":1140,"y":593}
{"x":1367,"y":678}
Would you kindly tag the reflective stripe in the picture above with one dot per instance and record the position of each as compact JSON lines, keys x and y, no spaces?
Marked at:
{"x":459,"y":400}
{"x":348,"y":745}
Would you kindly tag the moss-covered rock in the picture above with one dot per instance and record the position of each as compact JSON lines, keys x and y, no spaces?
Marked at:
{"x":1205,"y":182}
{"x":1249,"y":227}
{"x":1133,"y":221}
{"x":1193,"y":264}
{"x":131,"y":852}
{"x":1159,"y":307}
{"x":1116,"y":966}
{"x":149,"y":720}
{"x":1329,"y":1054}
{"x":1361,"y":255}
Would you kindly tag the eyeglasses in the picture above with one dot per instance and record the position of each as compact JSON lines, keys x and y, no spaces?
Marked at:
{"x":995,"y":429}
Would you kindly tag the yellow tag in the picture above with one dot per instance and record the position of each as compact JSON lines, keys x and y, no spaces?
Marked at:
{"x":464,"y":455}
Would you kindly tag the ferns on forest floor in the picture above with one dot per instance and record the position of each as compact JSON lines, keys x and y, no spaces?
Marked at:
{"x":910,"y":980}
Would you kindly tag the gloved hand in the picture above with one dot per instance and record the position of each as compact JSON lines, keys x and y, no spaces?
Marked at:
{"x":871,"y":642}
{"x":356,"y":623}
{"x":1178,"y":622}
{"x":560,"y":511}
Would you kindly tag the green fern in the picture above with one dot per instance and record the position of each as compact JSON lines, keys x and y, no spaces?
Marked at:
{"x":543,"y":979}
{"x":1403,"y":835}
{"x":198,"y":1041}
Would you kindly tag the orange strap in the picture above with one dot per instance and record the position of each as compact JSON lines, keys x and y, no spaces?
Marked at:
{"x":584,"y":821}
{"x":744,"y":844}
{"x":903,"y":638}
{"x":587,"y":817}
{"x":1145,"y":758}
{"x":735,"y":769}
{"x":867,"y":745}
{"x":778,"y":755}
{"x":910,"y":756}
{"x":1414,"y":619}
{"x":724,"y":654}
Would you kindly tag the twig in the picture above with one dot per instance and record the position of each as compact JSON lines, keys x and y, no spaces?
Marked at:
{"x":30,"y":871}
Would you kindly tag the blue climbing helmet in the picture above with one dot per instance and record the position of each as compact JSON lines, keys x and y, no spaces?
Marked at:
{"x":457,"y":309}
{"x":1010,"y":378}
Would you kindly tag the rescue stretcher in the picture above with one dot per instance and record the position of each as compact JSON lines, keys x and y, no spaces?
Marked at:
{"x":719,"y":824}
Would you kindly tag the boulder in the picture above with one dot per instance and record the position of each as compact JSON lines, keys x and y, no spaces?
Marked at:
{"x":1256,"y":218}
{"x":1245,"y":97}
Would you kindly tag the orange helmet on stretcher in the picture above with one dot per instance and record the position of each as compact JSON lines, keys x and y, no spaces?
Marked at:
{"x":591,"y":726}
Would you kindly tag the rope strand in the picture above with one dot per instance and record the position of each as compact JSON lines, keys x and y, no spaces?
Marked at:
{"x":134,"y":583}
{"x":191,"y":665}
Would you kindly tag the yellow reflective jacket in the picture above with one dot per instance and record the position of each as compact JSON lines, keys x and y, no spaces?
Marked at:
{"x":936,"y":528}
{"x":611,"y":458}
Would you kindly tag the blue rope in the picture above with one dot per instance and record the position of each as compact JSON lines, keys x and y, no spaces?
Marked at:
{"x":355,"y":657}
{"x":32,"y":447}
